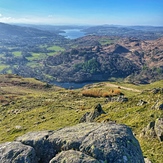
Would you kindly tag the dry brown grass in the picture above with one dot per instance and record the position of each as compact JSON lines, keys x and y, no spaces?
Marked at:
{"x":2,"y":99}
{"x":101,"y":93}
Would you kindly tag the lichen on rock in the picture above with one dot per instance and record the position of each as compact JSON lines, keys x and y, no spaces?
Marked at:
{"x":85,"y":142}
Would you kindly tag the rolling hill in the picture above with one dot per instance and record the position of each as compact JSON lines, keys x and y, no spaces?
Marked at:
{"x":139,"y":61}
{"x":29,"y":105}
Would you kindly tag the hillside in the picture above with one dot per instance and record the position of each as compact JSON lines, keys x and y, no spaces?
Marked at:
{"x":88,"y":64}
{"x":140,"y":61}
{"x":8,"y":31}
{"x":139,"y":32}
{"x":50,"y":57}
{"x":29,"y":105}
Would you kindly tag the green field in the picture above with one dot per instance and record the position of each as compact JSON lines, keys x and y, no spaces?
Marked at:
{"x":17,"y":53}
{"x":56,"y":48}
{"x":105,"y":41}
{"x":36,"y":56}
{"x":2,"y":66}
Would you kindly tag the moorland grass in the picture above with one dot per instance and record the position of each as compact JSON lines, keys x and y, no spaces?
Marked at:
{"x":39,"y":108}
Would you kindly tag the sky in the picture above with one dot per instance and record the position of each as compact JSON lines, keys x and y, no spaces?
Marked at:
{"x":82,"y":12}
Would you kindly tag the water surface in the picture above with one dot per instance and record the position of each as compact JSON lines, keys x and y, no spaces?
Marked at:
{"x":73,"y":33}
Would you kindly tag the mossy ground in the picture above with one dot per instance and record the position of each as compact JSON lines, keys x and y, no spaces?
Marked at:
{"x":29,"y":105}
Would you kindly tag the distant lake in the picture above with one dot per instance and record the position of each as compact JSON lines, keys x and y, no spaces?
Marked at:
{"x":69,"y":85}
{"x":72,"y":85}
{"x":73,"y":33}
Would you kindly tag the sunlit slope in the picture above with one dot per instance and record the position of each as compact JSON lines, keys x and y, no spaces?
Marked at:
{"x":27,"y":105}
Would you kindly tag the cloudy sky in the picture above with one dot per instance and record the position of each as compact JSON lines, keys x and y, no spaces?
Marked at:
{"x":82,"y":12}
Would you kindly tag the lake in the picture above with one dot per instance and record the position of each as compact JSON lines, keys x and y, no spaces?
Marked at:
{"x":73,"y":33}
{"x":69,"y":85}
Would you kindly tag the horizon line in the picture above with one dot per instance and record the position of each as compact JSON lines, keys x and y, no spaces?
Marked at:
{"x":49,"y":24}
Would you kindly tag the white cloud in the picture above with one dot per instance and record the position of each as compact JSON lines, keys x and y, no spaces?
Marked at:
{"x":50,"y":19}
{"x":5,"y":19}
{"x":63,"y":20}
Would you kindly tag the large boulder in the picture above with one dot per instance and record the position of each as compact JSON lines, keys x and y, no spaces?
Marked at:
{"x":104,"y":142}
{"x":112,"y":143}
{"x":72,"y":156}
{"x":16,"y":152}
{"x":45,"y":150}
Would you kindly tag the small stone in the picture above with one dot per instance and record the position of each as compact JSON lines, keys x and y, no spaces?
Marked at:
{"x":160,"y":107}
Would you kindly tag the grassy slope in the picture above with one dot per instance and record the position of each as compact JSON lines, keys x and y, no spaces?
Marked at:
{"x":27,"y":105}
{"x":35,"y":58}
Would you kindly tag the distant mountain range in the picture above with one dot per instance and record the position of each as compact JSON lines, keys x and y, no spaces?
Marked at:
{"x":139,"y":32}
{"x":7,"y":30}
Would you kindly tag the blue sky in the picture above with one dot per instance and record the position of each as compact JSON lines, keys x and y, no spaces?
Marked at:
{"x":82,"y":12}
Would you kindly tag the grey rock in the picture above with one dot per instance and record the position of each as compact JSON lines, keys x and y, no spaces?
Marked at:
{"x":105,"y":142}
{"x":84,"y":117}
{"x":149,"y":131}
{"x":16,"y":152}
{"x":91,"y":116}
{"x":72,"y":156}
{"x":141,"y":102}
{"x":122,"y":99}
{"x":160,"y":107}
{"x":156,"y":90}
{"x":112,"y":143}
{"x":39,"y":141}
{"x":154,"y":129}
{"x":119,"y":99}
{"x":159,"y":128}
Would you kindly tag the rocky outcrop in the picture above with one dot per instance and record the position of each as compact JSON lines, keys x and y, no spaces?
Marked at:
{"x":157,"y":90}
{"x":72,"y":156}
{"x":149,"y":131}
{"x":157,"y":105}
{"x":159,"y":128}
{"x":120,"y":49}
{"x":141,"y":103}
{"x":91,"y":116}
{"x":154,"y":129}
{"x":16,"y":152}
{"x":120,"y":98}
{"x":85,"y":142}
{"x":90,"y":64}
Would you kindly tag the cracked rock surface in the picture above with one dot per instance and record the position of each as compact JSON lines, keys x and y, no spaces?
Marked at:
{"x":16,"y":152}
{"x":85,"y":142}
